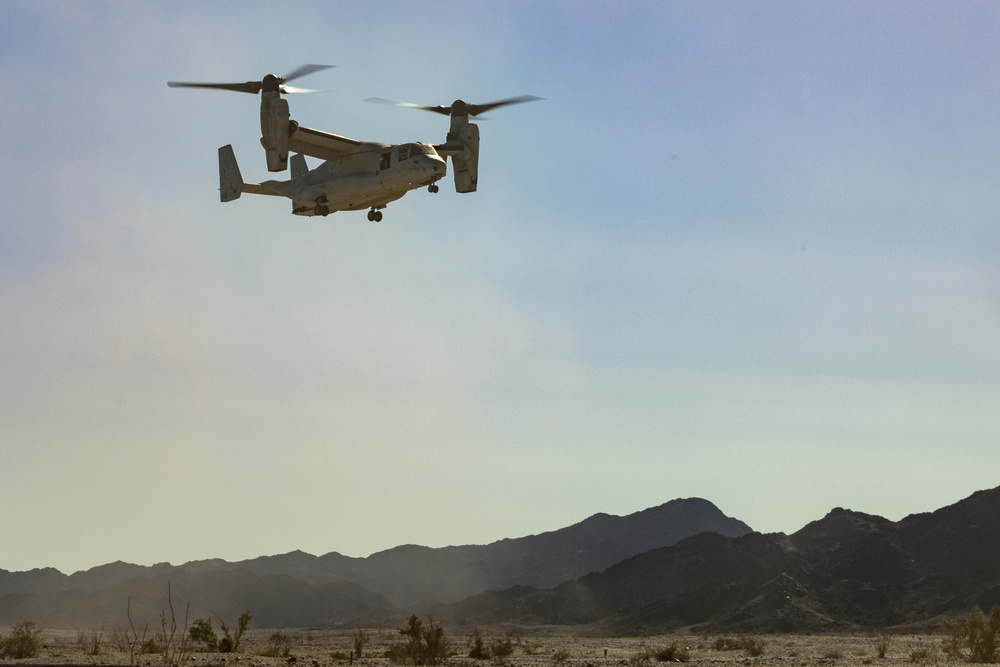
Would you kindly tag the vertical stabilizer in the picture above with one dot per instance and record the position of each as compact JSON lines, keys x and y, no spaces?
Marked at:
{"x":230,"y":179}
{"x":299,"y":166}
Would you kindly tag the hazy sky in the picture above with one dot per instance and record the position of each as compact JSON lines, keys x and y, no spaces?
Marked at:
{"x":748,"y":252}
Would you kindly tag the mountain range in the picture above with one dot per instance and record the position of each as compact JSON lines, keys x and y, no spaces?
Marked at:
{"x":846,"y":571}
{"x":297,"y":589}
{"x":681,"y":565}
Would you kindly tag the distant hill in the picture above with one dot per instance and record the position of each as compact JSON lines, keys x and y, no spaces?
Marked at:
{"x":298,"y":589}
{"x":275,"y":600}
{"x":681,"y":565}
{"x":846,"y":571}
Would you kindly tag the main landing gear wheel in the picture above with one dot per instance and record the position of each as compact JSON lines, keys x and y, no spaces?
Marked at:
{"x":322,"y":209}
{"x":432,"y":188}
{"x":374,"y":216}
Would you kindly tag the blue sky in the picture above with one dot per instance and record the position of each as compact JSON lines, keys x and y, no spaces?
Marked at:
{"x":742,"y":251}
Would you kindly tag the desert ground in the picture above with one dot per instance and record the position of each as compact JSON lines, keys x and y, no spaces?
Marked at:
{"x":549,"y":647}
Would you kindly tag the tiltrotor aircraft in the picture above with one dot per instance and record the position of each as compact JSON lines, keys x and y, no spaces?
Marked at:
{"x":354,"y":175}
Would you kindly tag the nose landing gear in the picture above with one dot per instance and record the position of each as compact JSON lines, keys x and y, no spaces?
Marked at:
{"x":433,"y":188}
{"x":374,"y":216}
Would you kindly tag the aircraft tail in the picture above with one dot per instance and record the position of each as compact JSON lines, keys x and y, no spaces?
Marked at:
{"x":230,"y":179}
{"x":299,"y":166}
{"x":231,"y":184}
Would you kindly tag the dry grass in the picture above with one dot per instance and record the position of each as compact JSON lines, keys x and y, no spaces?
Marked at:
{"x":546,"y":647}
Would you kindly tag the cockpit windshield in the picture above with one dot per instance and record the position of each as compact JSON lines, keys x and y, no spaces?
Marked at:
{"x":406,"y":151}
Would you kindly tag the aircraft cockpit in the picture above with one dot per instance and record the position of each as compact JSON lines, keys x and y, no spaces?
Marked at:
{"x":406,"y":151}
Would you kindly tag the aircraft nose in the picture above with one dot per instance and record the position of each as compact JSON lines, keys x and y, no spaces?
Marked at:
{"x":432,"y":163}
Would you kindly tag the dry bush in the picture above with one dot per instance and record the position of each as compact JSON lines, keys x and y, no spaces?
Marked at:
{"x":752,"y":645}
{"x":531,"y":648}
{"x":171,"y":644}
{"x":359,"y":640}
{"x":560,"y":655}
{"x":230,"y":642}
{"x":641,"y":658}
{"x":24,"y":642}
{"x":672,"y":653}
{"x":973,"y":637}
{"x":425,"y":645}
{"x":279,"y":645}
{"x":479,"y":650}
{"x":882,"y":640}
{"x":90,"y":642}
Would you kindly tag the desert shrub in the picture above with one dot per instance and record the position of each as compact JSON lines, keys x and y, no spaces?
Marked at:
{"x":25,"y":641}
{"x":672,"y":653}
{"x":479,"y":650}
{"x":90,"y":642}
{"x":359,"y":640}
{"x":152,"y":647}
{"x":641,"y":658}
{"x":921,"y":655}
{"x":752,"y":645}
{"x":726,"y":644}
{"x":502,"y":648}
{"x":560,"y":655}
{"x":201,"y":632}
{"x":171,"y":643}
{"x":881,"y":641}
{"x":127,"y":639}
{"x":279,"y":645}
{"x":530,"y":648}
{"x":230,"y":642}
{"x":425,"y":645}
{"x":397,"y":653}
{"x":973,"y":637}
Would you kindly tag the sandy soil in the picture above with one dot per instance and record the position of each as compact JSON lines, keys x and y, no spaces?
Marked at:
{"x":552,"y":647}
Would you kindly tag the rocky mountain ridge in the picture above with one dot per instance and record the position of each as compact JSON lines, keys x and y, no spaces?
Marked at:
{"x":681,"y":566}
{"x":297,"y":588}
{"x":846,"y":571}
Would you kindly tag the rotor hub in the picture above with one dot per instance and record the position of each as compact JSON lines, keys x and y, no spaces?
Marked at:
{"x":271,"y":83}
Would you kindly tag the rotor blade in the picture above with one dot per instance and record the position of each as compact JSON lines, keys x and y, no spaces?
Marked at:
{"x":382,"y":100}
{"x":252,"y":87}
{"x":293,"y":89}
{"x":303,"y":70}
{"x":476,"y":109}
{"x":438,"y":109}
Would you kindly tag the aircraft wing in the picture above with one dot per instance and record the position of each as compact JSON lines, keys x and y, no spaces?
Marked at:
{"x":322,"y":145}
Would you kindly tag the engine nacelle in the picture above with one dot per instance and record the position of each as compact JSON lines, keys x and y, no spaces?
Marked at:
{"x":274,"y":118}
{"x":466,"y":163}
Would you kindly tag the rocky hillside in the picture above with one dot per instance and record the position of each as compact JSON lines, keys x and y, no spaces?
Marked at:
{"x":297,"y":589}
{"x":846,"y":571}
{"x":680,"y":566}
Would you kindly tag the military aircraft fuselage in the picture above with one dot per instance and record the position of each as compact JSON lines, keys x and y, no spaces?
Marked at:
{"x":370,"y":177}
